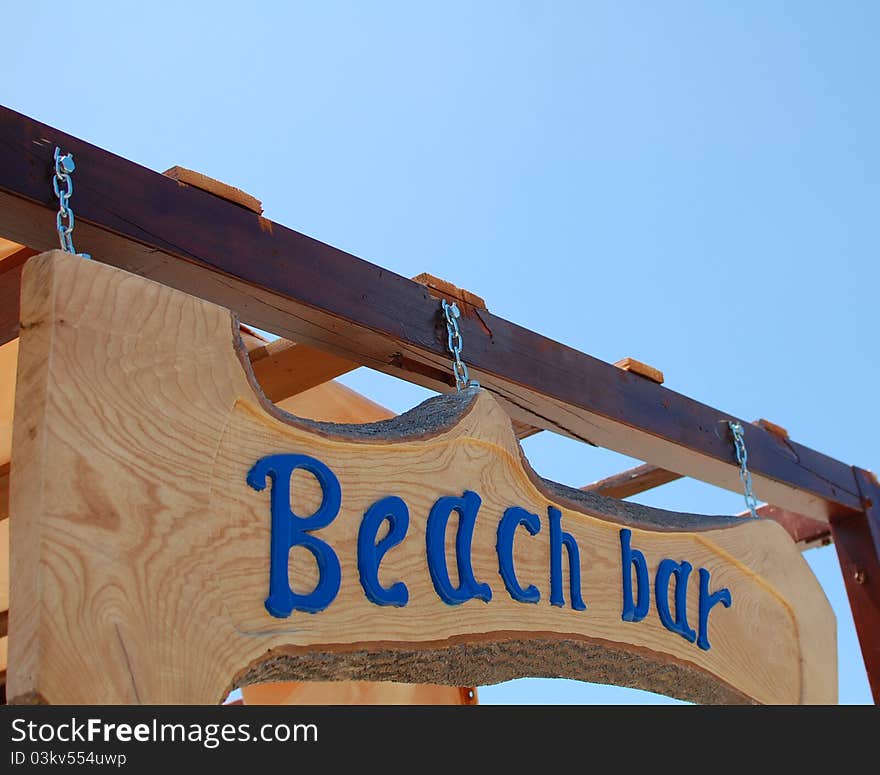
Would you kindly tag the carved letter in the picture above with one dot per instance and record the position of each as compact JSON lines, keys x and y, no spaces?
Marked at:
{"x":513,"y":517}
{"x":630,"y":557}
{"x":289,"y":530}
{"x":558,"y":539}
{"x":681,"y":571}
{"x":468,"y":587}
{"x":707,"y":601}
{"x":370,"y":553}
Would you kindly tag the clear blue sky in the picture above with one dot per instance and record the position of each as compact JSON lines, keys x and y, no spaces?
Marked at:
{"x":696,"y":185}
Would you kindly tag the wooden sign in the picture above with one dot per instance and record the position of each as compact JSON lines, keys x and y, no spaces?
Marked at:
{"x":174,"y":535}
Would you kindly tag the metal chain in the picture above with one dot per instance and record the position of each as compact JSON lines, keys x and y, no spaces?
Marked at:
{"x":742,"y":456}
{"x":455,"y":343}
{"x":62,"y":183}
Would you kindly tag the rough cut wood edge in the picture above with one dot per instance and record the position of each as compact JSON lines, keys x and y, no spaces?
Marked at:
{"x":215,"y":187}
{"x":50,"y":272}
{"x":503,"y":657}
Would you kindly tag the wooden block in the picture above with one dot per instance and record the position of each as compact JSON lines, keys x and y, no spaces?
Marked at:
{"x":215,"y":187}
{"x":8,"y":248}
{"x":141,"y":552}
{"x":642,"y":369}
{"x":776,"y":430}
{"x":443,"y":289}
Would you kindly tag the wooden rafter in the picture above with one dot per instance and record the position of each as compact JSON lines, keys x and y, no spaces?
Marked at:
{"x":804,"y":531}
{"x":632,"y":481}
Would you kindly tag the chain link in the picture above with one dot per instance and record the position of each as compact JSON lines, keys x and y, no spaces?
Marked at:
{"x":62,"y":184}
{"x":455,"y":343}
{"x":742,"y":456}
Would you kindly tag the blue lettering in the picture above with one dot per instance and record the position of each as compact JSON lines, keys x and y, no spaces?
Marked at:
{"x":558,"y":539}
{"x":630,"y":557}
{"x":370,"y":553}
{"x":289,"y":530}
{"x":681,"y":571}
{"x":707,"y":601}
{"x":513,"y":518}
{"x":468,"y":587}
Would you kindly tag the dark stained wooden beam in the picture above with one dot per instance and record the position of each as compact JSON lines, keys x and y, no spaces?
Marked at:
{"x":304,"y":290}
{"x":869,"y":491}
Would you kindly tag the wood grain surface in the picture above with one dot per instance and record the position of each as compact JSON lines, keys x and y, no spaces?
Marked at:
{"x":140,"y":556}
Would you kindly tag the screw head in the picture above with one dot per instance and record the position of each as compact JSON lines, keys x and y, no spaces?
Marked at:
{"x":859,"y":577}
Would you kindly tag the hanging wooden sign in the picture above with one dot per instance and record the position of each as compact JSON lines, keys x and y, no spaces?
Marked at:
{"x":175,"y":535}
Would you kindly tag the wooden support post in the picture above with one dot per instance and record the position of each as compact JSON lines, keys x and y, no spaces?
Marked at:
{"x":857,"y":540}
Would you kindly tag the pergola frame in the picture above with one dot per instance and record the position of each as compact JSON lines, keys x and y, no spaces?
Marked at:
{"x":361,"y":314}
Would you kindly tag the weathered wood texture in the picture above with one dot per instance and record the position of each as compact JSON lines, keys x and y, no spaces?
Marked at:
{"x":309,"y":292}
{"x":139,"y":555}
